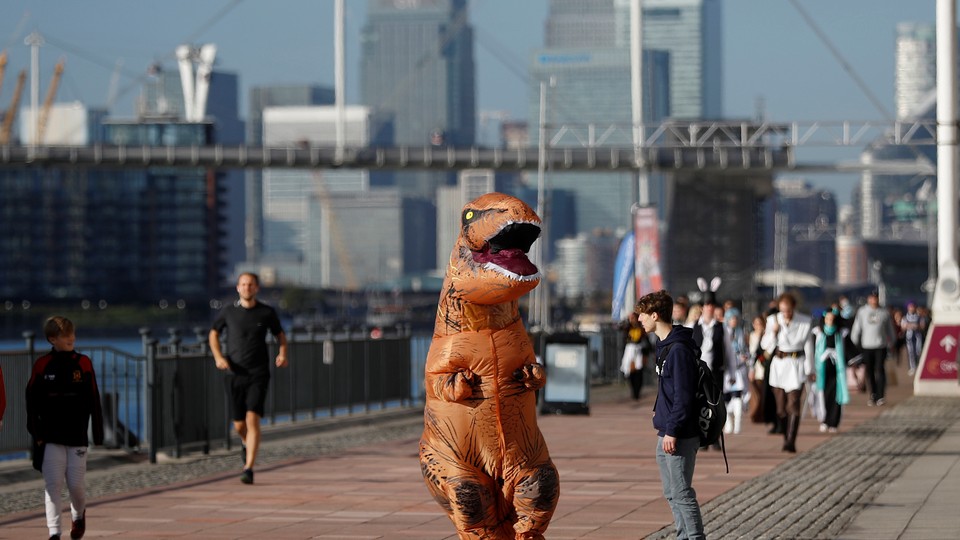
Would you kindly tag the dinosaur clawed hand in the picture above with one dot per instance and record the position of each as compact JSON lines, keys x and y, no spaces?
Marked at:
{"x":459,"y":385}
{"x":531,"y":375}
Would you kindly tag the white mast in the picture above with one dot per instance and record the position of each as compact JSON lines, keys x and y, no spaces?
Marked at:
{"x":636,"y":92}
{"x":208,"y":53}
{"x":185,"y":62}
{"x":940,"y":352}
{"x":195,"y":91}
{"x":35,"y":41}
{"x":338,"y":77}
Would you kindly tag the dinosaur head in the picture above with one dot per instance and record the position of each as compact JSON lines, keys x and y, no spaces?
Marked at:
{"x":489,"y":263}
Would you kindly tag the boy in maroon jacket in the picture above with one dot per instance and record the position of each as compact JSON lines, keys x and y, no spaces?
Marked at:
{"x":62,"y":397}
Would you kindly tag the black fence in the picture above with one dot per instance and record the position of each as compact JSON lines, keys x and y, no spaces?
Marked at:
{"x":170,"y":399}
{"x":119,"y":376}
{"x":329,"y":374}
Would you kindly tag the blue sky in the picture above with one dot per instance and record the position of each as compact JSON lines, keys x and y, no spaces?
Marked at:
{"x":769,"y":52}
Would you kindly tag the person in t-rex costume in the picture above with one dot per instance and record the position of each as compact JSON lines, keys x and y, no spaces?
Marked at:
{"x":482,"y":455}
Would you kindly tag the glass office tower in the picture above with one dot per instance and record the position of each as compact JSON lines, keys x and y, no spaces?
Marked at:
{"x":690,"y":31}
{"x":585,"y":68}
{"x":417,"y":67}
{"x":118,"y":235}
{"x":262,"y":97}
{"x":916,"y":67}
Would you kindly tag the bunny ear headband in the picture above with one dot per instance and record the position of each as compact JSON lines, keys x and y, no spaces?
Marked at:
{"x":709,"y":295}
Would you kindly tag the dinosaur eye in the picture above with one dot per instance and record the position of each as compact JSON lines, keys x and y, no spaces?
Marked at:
{"x":468,"y":215}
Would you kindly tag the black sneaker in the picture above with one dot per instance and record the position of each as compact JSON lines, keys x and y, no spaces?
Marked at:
{"x":247,"y":476}
{"x":55,"y":537}
{"x":79,"y":527}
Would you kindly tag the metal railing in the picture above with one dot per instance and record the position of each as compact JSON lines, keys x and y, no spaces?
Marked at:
{"x":329,"y":374}
{"x":171,"y":399}
{"x":119,"y":378}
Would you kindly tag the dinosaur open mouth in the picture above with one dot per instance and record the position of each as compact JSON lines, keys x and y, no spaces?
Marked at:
{"x":507,"y":251}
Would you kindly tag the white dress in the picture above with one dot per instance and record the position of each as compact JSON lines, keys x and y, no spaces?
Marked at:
{"x":788,"y":373}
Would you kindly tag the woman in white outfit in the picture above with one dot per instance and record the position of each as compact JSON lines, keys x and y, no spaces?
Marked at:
{"x":787,"y":339}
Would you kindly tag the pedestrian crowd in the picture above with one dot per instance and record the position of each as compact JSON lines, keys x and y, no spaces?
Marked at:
{"x":764,"y":371}
{"x":781,"y":364}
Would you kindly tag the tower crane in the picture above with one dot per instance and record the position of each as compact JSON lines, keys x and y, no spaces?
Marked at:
{"x":336,"y":235}
{"x":12,"y":110}
{"x":48,"y":101}
{"x":3,"y":66}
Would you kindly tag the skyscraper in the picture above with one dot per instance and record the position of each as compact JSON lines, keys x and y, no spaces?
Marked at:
{"x":417,"y":67}
{"x":585,"y":68}
{"x":126,"y":235}
{"x":161,"y":101}
{"x":287,"y":196}
{"x":471,"y":184}
{"x":916,"y":67}
{"x":811,"y":227}
{"x":690,"y":32}
{"x":260,"y":98}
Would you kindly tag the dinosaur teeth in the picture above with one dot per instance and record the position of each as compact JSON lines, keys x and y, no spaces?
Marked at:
{"x":509,"y":274}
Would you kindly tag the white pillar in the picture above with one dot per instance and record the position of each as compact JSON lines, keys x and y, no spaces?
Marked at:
{"x":34,"y":40}
{"x":938,"y":373}
{"x":338,"y":77}
{"x":947,"y":164}
{"x":636,"y":93}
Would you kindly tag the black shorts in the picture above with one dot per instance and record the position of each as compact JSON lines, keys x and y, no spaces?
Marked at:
{"x":246,"y":393}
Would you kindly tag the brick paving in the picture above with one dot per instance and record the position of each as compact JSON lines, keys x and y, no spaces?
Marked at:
{"x":363,"y":481}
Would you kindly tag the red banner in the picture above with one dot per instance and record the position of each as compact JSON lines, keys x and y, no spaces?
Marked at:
{"x":941,"y":360}
{"x":646,"y":229}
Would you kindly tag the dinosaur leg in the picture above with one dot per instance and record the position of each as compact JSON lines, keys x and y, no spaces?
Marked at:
{"x":534,"y":499}
{"x":471,"y":498}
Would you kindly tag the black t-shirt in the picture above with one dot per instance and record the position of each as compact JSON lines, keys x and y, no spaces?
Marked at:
{"x":246,"y":334}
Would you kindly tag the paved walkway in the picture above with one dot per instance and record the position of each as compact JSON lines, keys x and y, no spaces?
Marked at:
{"x":891,"y":472}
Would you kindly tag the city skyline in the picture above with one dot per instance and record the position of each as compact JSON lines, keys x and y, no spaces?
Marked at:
{"x":772,"y":59}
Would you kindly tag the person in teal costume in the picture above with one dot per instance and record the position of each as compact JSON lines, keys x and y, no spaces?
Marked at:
{"x":831,"y":369}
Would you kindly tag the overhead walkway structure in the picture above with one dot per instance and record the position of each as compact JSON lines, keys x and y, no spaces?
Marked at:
{"x":728,"y":146}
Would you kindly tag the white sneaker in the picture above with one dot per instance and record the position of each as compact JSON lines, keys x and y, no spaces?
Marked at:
{"x":823,"y":428}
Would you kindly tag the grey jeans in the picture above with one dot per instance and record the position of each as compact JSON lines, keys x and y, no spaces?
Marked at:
{"x":676,"y":474}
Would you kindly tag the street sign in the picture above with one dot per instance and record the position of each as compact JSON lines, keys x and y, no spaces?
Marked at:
{"x":942,"y":351}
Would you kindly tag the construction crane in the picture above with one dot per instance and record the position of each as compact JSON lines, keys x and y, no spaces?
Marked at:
{"x":3,"y":66}
{"x":336,"y":235}
{"x":12,"y":110}
{"x":48,"y":101}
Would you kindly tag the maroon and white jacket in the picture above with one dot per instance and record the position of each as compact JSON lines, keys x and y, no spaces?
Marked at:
{"x":62,"y":396}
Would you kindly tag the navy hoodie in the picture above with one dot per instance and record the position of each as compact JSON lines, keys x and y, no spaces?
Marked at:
{"x":675,"y":411}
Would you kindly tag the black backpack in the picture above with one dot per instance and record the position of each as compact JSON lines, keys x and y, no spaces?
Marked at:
{"x":712,"y":409}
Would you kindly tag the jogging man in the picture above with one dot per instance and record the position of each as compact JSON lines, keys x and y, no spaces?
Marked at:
{"x":247,"y":362}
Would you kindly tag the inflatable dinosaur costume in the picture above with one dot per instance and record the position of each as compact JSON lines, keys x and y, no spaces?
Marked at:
{"x":482,"y":455}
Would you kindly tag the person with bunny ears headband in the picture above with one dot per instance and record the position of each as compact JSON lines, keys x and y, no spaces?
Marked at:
{"x":708,"y":332}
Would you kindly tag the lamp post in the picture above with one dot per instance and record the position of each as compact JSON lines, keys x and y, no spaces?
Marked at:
{"x":540,"y":297}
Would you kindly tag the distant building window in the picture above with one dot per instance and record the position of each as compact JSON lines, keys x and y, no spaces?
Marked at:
{"x":662,"y":13}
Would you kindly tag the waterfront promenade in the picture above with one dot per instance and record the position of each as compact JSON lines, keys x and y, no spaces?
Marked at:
{"x":891,"y":472}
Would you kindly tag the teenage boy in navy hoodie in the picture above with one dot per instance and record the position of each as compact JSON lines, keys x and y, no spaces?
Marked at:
{"x":675,"y":411}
